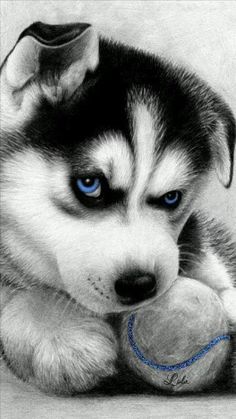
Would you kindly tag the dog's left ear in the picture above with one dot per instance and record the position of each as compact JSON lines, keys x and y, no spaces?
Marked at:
{"x":53,"y":56}
{"x":223,"y":133}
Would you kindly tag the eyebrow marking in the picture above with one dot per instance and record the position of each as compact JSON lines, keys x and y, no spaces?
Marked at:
{"x":114,"y":157}
{"x":173,"y":171}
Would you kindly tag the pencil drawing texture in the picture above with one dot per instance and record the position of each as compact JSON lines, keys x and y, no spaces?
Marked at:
{"x":109,"y":263}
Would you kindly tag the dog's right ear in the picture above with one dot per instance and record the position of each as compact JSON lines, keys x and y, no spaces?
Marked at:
{"x":223,"y":140}
{"x":57,"y":56}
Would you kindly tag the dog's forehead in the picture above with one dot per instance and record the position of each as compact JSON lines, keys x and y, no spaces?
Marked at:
{"x":128,"y":163}
{"x":148,"y":131}
{"x":141,"y":163}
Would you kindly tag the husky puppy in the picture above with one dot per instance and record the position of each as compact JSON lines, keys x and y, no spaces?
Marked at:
{"x":104,"y":150}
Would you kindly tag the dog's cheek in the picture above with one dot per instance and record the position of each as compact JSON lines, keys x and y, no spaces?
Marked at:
{"x":87,"y":273}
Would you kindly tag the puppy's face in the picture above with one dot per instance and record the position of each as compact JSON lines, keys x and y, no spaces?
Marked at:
{"x":97,"y":186}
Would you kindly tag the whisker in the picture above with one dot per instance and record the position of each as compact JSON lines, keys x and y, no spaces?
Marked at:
{"x":188,"y":247}
{"x":190,"y":261}
{"x":67,"y":306}
{"x":196,"y":257}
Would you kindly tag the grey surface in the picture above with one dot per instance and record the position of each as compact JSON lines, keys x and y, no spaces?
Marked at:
{"x":21,"y":401}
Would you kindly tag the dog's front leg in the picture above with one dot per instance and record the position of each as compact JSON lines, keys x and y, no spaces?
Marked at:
{"x":49,"y":340}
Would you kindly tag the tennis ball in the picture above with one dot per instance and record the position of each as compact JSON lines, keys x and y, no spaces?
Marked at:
{"x":180,"y":342}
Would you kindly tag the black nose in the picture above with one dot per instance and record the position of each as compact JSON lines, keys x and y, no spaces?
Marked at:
{"x":135,"y":287}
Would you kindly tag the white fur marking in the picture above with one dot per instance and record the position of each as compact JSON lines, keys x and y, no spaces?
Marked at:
{"x":173,"y":172}
{"x":222,"y":163}
{"x":114,"y":157}
{"x":144,"y":143}
{"x":13,"y":113}
{"x":212,"y":272}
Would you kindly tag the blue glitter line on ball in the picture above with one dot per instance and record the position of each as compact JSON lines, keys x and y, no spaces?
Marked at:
{"x":173,"y":367}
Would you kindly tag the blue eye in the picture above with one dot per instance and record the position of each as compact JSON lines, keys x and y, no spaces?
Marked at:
{"x":95,"y":192}
{"x":90,"y":186}
{"x":172,"y":199}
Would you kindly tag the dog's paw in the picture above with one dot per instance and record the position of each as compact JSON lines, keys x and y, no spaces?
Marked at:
{"x":52,"y":343}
